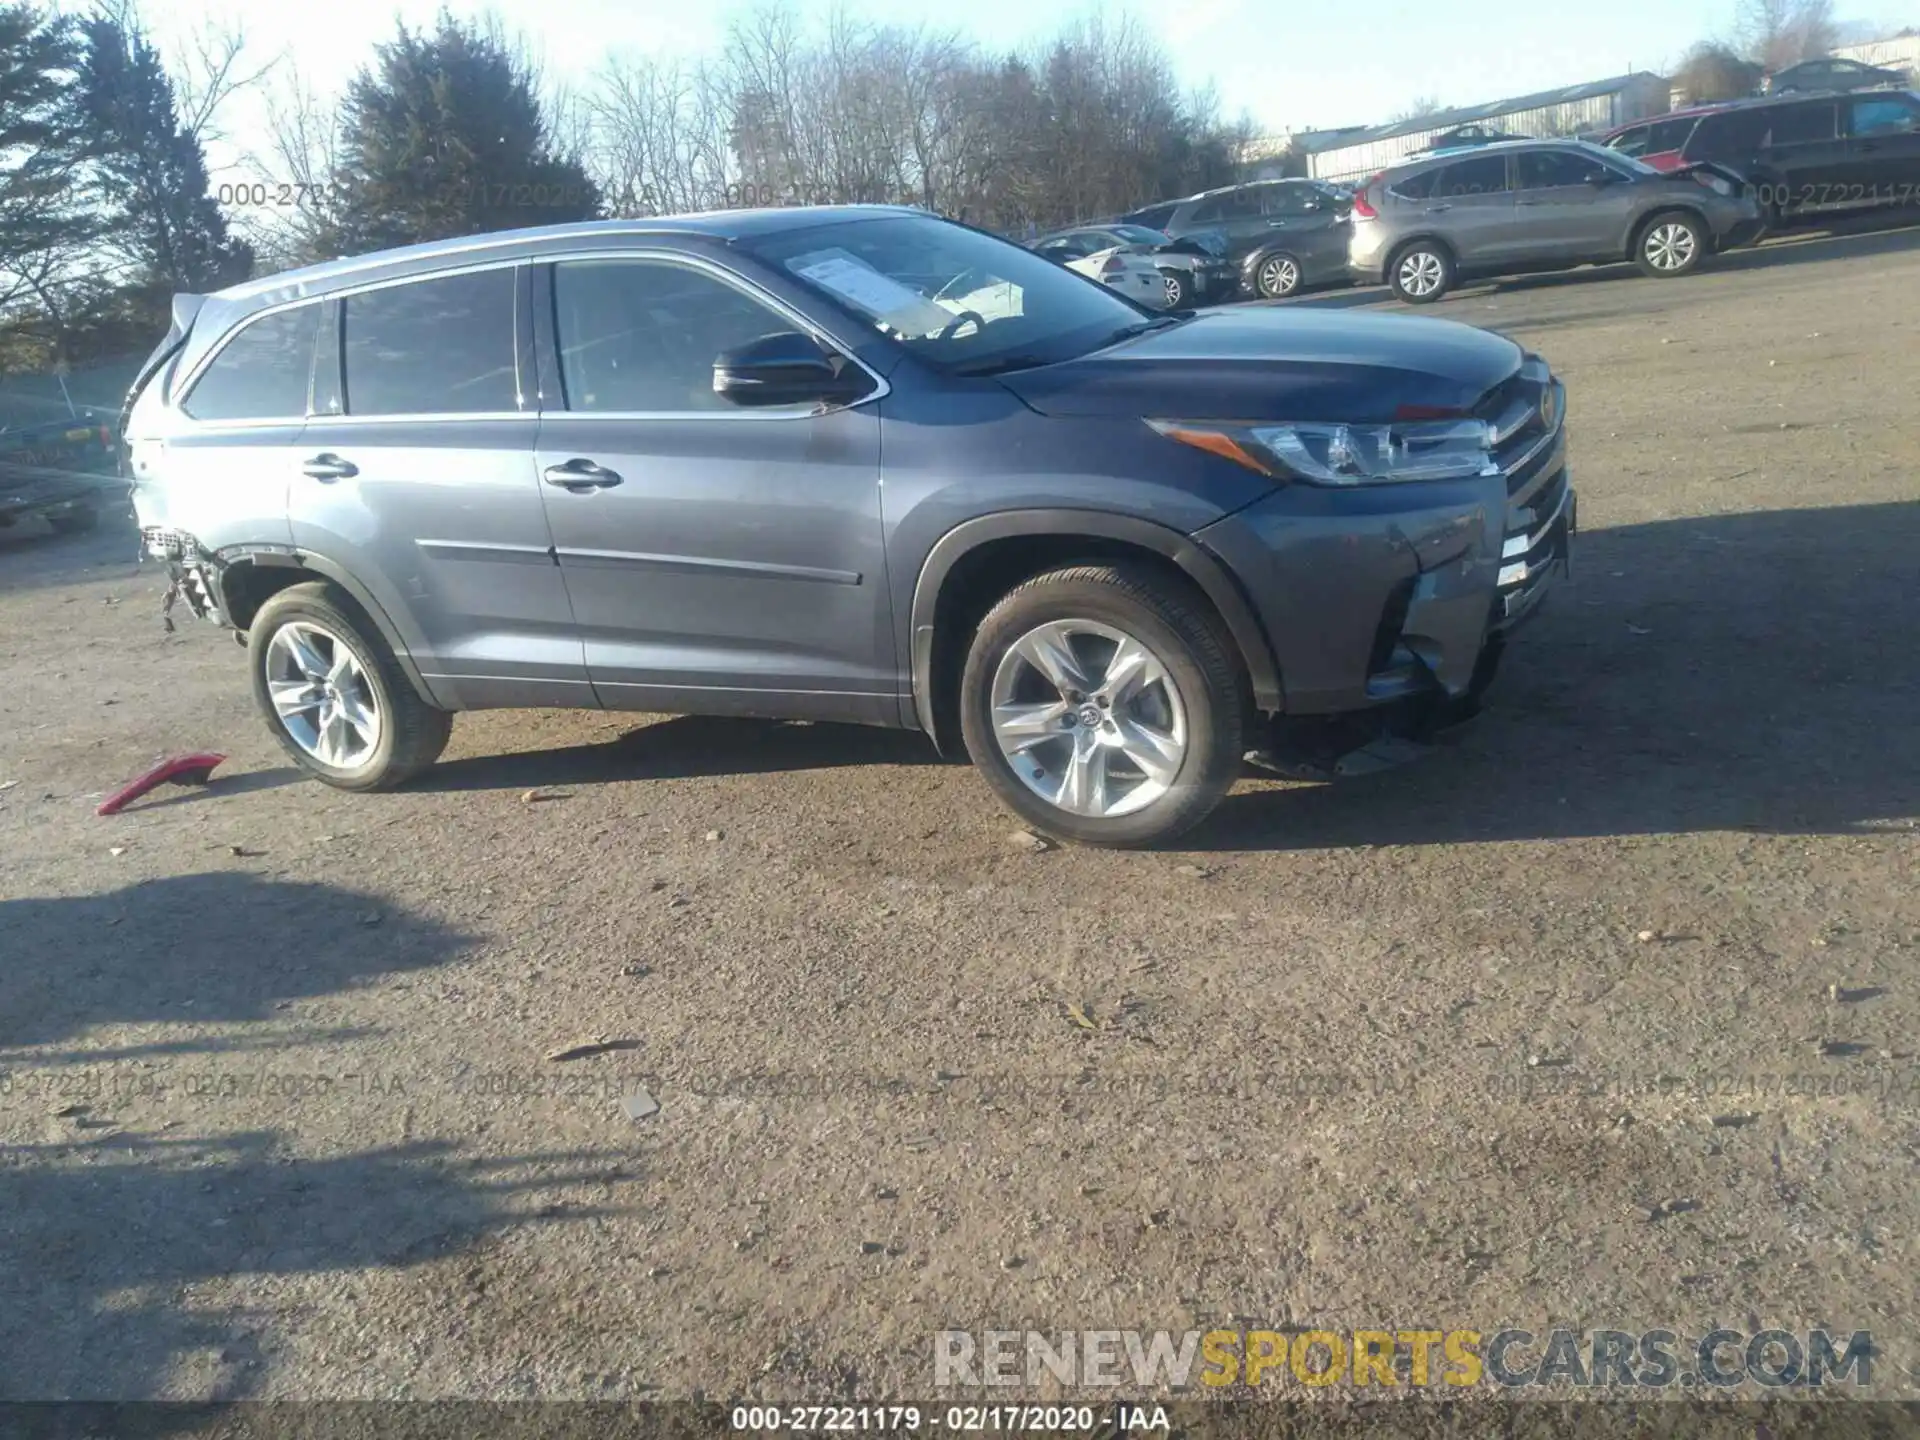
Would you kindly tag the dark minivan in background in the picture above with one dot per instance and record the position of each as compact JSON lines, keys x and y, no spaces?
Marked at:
{"x":1803,"y":155}
{"x":1283,"y":235}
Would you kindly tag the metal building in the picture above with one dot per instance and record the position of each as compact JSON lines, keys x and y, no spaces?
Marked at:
{"x":1572,"y":110}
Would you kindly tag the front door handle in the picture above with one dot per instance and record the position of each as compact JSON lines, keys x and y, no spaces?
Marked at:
{"x":1436,"y":209}
{"x":580,"y":476}
{"x":328,"y":467}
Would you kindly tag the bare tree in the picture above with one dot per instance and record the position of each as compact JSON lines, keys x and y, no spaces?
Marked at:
{"x":1778,"y":33}
{"x":1419,"y":108}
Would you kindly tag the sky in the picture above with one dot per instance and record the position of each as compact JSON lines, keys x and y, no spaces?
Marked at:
{"x":1288,"y":65}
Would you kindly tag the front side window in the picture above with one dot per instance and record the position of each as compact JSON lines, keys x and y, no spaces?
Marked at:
{"x":955,"y":297}
{"x":1883,"y":115}
{"x":443,"y":346}
{"x":642,"y":335}
{"x":262,"y":372}
{"x":1667,"y":135}
{"x":1484,"y":175}
{"x":1550,"y":169}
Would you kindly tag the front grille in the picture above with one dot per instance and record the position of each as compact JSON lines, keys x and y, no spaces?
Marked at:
{"x":1528,"y":412}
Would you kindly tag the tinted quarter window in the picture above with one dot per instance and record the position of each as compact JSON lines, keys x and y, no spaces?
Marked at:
{"x":1543,"y":169}
{"x":1483,"y":175}
{"x":432,"y":347}
{"x":262,"y":372}
{"x":1731,"y":138}
{"x":1803,"y":124}
{"x":1417,"y":186}
{"x":643,"y":334}
{"x":1883,"y":115}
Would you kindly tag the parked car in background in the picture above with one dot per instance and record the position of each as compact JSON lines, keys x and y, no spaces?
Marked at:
{"x":1190,"y":272}
{"x":519,"y":470}
{"x":1802,"y":155}
{"x":1540,"y":205}
{"x":1123,"y":268}
{"x":1463,"y":137}
{"x":61,"y":471}
{"x":1830,"y":73}
{"x":1283,"y":236}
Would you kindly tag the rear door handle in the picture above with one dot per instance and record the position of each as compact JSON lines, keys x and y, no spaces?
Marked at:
{"x":328,"y":467}
{"x":580,"y":476}
{"x":1436,"y":209}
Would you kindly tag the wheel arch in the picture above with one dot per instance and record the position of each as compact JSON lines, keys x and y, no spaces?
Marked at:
{"x":979,"y":560}
{"x":248,"y":582}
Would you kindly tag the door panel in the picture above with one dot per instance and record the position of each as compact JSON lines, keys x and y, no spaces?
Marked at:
{"x":1883,"y":148}
{"x":1471,"y":207}
{"x":726,"y":560}
{"x":1804,"y":150}
{"x":1561,"y":216}
{"x":426,"y":489}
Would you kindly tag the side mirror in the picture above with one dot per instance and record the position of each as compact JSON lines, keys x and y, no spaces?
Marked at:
{"x":787,"y":368}
{"x":1601,"y":178}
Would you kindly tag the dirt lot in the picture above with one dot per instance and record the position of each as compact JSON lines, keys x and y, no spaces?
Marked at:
{"x":1425,"y":1049}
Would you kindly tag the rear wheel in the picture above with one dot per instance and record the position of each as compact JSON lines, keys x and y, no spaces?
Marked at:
{"x":1671,"y":244}
{"x":333,"y":694}
{"x":1102,"y":705}
{"x":1421,"y":273}
{"x":1276,"y":277}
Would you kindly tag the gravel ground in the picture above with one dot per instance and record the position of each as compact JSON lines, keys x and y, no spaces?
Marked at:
{"x":1604,"y":1016}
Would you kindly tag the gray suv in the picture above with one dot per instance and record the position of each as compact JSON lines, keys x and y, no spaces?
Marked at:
{"x":845,"y":464}
{"x":1282,"y":235}
{"x":1540,"y":205}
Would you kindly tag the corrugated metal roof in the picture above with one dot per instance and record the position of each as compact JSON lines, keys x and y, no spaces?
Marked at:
{"x":1314,"y":142}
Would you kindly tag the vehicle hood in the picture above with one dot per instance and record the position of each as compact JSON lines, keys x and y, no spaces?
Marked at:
{"x":1271,"y":363}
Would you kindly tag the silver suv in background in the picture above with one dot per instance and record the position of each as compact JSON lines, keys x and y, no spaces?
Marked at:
{"x":1540,"y":205}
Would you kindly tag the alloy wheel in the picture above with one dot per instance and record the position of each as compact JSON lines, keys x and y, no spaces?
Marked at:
{"x":1670,"y":246}
{"x":1421,"y":273}
{"x":1279,"y":277}
{"x":322,"y":695}
{"x":1089,"y":718}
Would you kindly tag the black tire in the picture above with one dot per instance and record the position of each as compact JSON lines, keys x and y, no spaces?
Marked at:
{"x":1647,"y":244}
{"x":1271,"y":278}
{"x":1172,"y":622}
{"x":1439,"y":261}
{"x":412,"y":732}
{"x":72,"y":522}
{"x":1179,"y":292}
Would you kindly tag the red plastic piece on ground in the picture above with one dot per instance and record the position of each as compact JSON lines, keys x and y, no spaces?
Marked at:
{"x":180,"y":770}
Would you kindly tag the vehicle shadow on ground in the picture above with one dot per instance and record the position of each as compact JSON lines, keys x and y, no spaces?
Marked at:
{"x":33,"y":556}
{"x":1734,"y":672}
{"x":215,"y":947}
{"x":687,"y":745}
{"x":100,"y":1240}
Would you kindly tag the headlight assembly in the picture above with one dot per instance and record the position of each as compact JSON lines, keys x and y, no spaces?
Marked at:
{"x":1346,"y":455}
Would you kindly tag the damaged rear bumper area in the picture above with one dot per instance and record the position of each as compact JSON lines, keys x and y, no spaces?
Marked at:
{"x":193,"y":574}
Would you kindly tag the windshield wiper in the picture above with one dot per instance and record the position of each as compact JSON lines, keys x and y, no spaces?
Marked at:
{"x":1127,"y":332}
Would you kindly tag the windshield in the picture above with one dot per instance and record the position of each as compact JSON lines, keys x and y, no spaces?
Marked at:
{"x":955,"y":297}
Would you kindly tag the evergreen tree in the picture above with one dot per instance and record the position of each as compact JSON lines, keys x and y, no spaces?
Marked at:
{"x":148,"y":173}
{"x":44,"y":220}
{"x":443,"y":135}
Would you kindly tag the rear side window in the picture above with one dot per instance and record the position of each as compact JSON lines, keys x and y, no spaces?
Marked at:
{"x":432,"y":347}
{"x":1804,"y":124}
{"x":1554,"y":169}
{"x":1417,"y":186}
{"x":1158,"y":218}
{"x":1633,"y":142}
{"x":1482,"y":175}
{"x":642,"y":335}
{"x":262,"y":372}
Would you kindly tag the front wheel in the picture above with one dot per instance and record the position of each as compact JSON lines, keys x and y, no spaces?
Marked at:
{"x":333,"y":694}
{"x":1177,"y":292}
{"x":1672,"y":244}
{"x":1102,"y":705}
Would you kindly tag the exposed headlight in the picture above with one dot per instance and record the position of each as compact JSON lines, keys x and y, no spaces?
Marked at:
{"x":1322,"y":454}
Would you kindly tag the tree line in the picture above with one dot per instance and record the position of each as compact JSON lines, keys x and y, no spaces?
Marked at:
{"x":107,"y":207}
